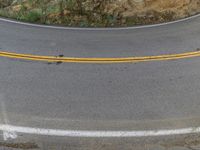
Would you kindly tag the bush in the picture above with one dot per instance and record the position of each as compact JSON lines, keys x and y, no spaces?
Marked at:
{"x":32,"y":16}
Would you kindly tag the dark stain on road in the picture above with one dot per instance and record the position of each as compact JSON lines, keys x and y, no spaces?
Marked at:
{"x":61,"y":55}
{"x":58,"y":62}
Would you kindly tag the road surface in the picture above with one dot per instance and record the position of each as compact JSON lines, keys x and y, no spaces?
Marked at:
{"x":146,"y":96}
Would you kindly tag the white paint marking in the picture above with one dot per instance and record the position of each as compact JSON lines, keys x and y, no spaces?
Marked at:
{"x":6,"y":134}
{"x":9,"y":135}
{"x":99,"y":29}
{"x":98,"y":134}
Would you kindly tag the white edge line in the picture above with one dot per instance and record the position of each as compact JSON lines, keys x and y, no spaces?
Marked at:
{"x":98,"y":29}
{"x":87,"y":133}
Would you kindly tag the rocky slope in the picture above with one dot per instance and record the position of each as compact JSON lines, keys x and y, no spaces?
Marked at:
{"x":99,"y":12}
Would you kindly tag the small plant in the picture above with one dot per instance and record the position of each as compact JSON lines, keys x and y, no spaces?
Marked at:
{"x":33,"y":16}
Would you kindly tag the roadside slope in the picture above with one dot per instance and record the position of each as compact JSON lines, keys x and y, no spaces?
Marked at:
{"x":99,"y":13}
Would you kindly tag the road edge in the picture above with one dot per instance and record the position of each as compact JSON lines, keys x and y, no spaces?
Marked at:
{"x":97,"y":29}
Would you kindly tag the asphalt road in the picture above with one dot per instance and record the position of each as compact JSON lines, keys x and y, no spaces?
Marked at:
{"x":127,"y":96}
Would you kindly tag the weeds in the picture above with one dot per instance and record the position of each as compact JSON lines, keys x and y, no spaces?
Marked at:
{"x":82,"y":13}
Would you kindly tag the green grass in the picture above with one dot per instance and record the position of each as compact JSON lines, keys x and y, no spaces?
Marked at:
{"x":31,"y":16}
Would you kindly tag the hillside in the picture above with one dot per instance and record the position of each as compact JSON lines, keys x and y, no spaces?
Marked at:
{"x":99,"y":13}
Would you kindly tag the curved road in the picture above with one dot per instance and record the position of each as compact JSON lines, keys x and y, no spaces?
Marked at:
{"x":128,"y":96}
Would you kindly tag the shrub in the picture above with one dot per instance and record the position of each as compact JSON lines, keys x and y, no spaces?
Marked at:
{"x":31,"y":16}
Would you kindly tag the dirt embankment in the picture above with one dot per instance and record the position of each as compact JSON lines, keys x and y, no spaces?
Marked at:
{"x":180,"y":8}
{"x":153,"y":11}
{"x":99,"y":13}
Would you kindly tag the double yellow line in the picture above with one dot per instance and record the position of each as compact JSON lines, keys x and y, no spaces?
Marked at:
{"x":99,"y":60}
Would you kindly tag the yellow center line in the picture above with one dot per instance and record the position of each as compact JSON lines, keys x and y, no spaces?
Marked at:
{"x":99,"y":60}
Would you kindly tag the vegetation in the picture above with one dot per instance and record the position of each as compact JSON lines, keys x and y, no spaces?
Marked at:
{"x":83,"y":13}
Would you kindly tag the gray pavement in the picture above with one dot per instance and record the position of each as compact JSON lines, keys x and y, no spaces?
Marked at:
{"x":142,"y":96}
